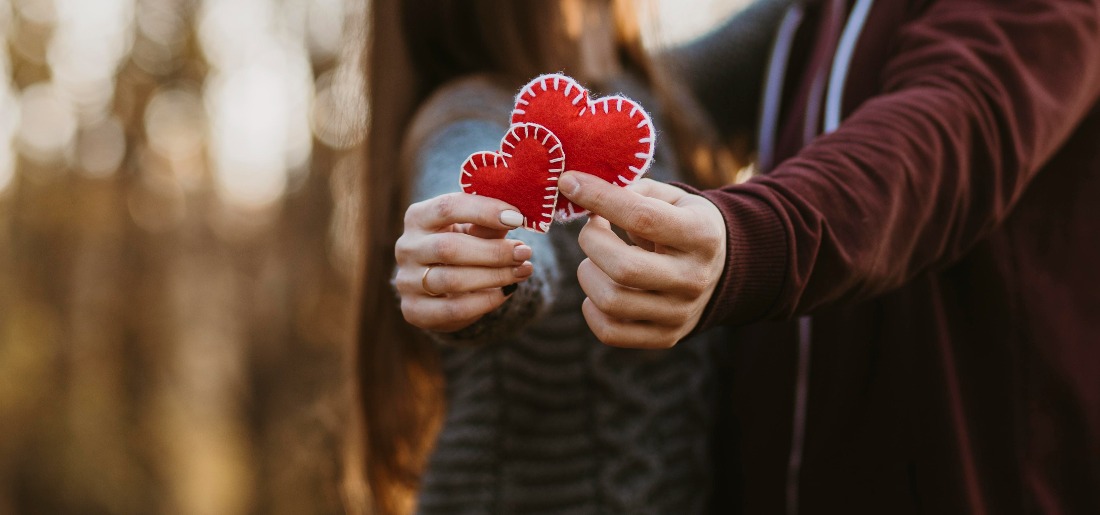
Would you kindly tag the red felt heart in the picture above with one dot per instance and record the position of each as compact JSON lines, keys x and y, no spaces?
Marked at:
{"x":524,"y":173}
{"x":611,"y":138}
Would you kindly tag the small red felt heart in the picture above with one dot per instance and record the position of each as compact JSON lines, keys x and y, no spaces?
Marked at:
{"x":611,"y":138}
{"x":524,"y":173}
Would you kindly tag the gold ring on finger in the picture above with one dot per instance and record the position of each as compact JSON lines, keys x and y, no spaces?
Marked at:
{"x":424,"y":282}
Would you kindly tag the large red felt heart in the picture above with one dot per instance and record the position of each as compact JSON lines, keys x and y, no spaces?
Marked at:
{"x":611,"y":138}
{"x":524,"y":173}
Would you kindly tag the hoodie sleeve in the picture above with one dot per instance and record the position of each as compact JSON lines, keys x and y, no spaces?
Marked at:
{"x":975,"y":98}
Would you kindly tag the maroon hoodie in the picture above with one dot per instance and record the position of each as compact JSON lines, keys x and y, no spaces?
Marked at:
{"x":942,"y":246}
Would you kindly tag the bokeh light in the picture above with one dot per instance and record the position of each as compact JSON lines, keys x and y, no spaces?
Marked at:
{"x":176,"y":129}
{"x":256,"y":113}
{"x":322,"y":17}
{"x":9,"y":105}
{"x":47,"y":123}
{"x":340,"y":109}
{"x":675,"y":22}
{"x":258,"y":97}
{"x":100,"y":146}
{"x":91,"y":40}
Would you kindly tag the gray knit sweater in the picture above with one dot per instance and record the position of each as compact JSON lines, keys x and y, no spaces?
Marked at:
{"x":542,"y":417}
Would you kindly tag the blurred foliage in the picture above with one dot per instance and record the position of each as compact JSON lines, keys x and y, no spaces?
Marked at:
{"x":178,"y":209}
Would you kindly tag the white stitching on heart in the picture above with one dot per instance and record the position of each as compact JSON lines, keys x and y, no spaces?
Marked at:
{"x":645,"y":159}
{"x":556,"y":157}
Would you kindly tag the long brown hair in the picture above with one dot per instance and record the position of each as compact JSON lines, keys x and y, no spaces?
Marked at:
{"x":414,"y":47}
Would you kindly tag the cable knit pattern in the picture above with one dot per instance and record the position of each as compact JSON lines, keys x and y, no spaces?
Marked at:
{"x":542,"y":417}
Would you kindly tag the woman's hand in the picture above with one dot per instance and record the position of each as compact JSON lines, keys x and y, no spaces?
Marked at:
{"x":453,"y":260}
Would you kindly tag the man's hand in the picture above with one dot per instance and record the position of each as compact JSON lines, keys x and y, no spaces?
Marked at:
{"x":653,"y":294}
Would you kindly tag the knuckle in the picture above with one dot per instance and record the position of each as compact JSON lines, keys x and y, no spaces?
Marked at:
{"x":402,"y":248}
{"x":699,"y":280}
{"x":584,"y":239}
{"x":645,"y":183}
{"x":715,"y":234}
{"x":619,"y":312}
{"x":400,"y":281}
{"x":600,"y":298}
{"x":504,"y":253}
{"x":605,"y":334}
{"x":445,"y":206}
{"x":684,"y":313}
{"x":625,"y":272}
{"x":613,"y":302}
{"x":645,"y":217}
{"x":698,"y":233}
{"x":677,"y":314}
{"x":412,"y":213}
{"x":709,"y":237}
{"x":445,"y":249}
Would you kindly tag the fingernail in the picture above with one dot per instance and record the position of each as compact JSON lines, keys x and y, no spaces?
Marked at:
{"x":568,"y":184}
{"x":524,"y":270}
{"x":521,"y":253}
{"x":511,"y":218}
{"x":510,"y":289}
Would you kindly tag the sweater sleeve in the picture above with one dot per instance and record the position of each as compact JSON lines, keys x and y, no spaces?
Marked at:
{"x":977,"y":96}
{"x":462,"y":118}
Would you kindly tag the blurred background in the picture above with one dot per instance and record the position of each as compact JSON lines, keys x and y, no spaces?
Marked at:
{"x":179,"y":205}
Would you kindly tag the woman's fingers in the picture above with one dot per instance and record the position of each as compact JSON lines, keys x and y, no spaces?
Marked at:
{"x":453,"y":261}
{"x":450,"y":313}
{"x":441,"y":212}
{"x":444,"y":279}
{"x":482,"y":232}
{"x":451,"y":248}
